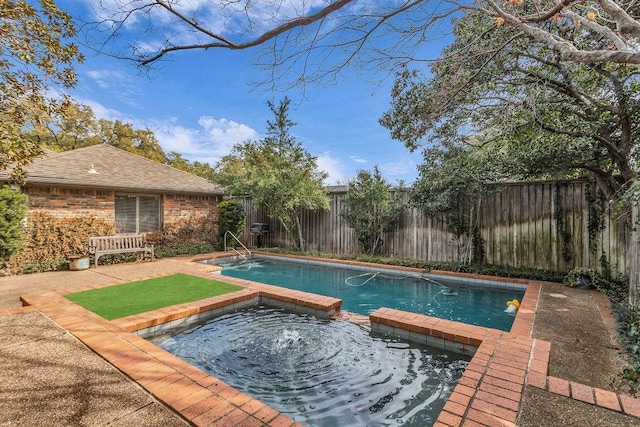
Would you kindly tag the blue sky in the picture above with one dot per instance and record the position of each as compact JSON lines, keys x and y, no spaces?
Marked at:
{"x":200,"y":103}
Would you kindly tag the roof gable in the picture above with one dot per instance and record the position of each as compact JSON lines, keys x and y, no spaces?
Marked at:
{"x":108,"y":167}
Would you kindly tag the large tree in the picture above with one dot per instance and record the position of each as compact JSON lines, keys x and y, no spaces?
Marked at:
{"x":515,"y":98}
{"x":277,"y":174}
{"x":75,"y":126}
{"x":314,"y":39}
{"x":202,"y":169}
{"x":126,"y":137}
{"x":452,"y":186}
{"x":36,"y":53}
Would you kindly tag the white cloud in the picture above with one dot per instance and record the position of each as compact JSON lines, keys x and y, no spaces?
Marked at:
{"x":174,"y":137}
{"x":118,"y":83}
{"x":358,"y":159}
{"x":105,"y":79}
{"x":333,"y":166}
{"x":398,"y":170}
{"x":226,"y":133}
{"x":208,"y":142}
{"x":102,"y":112}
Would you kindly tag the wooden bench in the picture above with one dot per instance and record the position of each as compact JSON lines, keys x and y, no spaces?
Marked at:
{"x":103,"y":245}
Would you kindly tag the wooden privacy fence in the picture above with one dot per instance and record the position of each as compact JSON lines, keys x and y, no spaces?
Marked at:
{"x":547,"y":225}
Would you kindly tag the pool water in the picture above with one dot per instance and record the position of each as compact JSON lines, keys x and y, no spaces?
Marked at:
{"x":364,"y":292}
{"x":321,"y":372}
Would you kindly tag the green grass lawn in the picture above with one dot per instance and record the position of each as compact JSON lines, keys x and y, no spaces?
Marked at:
{"x":127,"y":299}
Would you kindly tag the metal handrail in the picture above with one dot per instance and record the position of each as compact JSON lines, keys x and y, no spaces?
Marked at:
{"x":234,"y":249}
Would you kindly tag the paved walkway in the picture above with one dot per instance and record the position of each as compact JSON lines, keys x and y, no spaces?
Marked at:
{"x":12,"y":287}
{"x":49,"y":378}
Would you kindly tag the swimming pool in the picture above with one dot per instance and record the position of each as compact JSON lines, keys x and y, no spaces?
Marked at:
{"x":322,"y":372}
{"x":365,"y":290}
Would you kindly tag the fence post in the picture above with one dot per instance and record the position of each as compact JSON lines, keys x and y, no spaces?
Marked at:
{"x":634,"y":261}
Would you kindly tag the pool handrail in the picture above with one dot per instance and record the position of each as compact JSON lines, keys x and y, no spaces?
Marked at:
{"x":234,"y":249}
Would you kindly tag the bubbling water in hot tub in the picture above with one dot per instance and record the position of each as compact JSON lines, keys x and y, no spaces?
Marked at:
{"x":321,"y":372}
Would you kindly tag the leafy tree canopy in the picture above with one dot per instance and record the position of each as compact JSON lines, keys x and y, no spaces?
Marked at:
{"x":138,"y":141}
{"x":75,"y":126}
{"x":35,"y":54}
{"x":371,"y":210}
{"x":514,"y":99}
{"x":202,"y":169}
{"x":276,"y":173}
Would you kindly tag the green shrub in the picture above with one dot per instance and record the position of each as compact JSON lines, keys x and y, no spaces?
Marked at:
{"x":370,"y":209}
{"x":49,"y":241}
{"x":190,"y":230}
{"x":13,"y":207}
{"x":577,"y":276}
{"x":231,"y":217}
{"x":628,"y":328}
{"x":42,"y":266}
{"x":186,"y":249}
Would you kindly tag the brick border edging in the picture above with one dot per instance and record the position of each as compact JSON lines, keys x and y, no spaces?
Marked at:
{"x":16,"y":310}
{"x":491,"y":387}
{"x":190,"y":392}
{"x":604,"y":308}
{"x":595,"y":396}
{"x":592,"y":395}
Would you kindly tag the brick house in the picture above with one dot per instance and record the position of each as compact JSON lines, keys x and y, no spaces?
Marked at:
{"x":137,"y":194}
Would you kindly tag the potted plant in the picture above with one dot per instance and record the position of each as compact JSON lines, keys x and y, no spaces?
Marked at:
{"x":80,"y":261}
{"x":581,"y":278}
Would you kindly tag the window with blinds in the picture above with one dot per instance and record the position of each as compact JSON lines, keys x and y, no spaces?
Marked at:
{"x":137,"y":213}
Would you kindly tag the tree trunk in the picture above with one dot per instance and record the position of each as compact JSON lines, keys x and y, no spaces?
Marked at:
{"x":301,"y":245}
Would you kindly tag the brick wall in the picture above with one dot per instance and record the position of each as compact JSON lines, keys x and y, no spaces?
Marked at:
{"x":178,"y":208}
{"x":70,"y":202}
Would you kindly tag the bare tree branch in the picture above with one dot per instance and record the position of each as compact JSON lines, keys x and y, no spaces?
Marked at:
{"x":626,"y":24}
{"x":223,"y":42}
{"x":312,"y":40}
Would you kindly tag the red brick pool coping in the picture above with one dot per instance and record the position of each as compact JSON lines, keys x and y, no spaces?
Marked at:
{"x":488,"y":394}
{"x":195,"y":395}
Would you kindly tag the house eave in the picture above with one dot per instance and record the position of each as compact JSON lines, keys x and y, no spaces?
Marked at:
{"x":48,"y":182}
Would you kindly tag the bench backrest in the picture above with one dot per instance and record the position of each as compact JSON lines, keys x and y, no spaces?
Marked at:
{"x":105,"y":243}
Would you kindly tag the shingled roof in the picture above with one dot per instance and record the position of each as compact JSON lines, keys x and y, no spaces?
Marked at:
{"x":107,"y":167}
